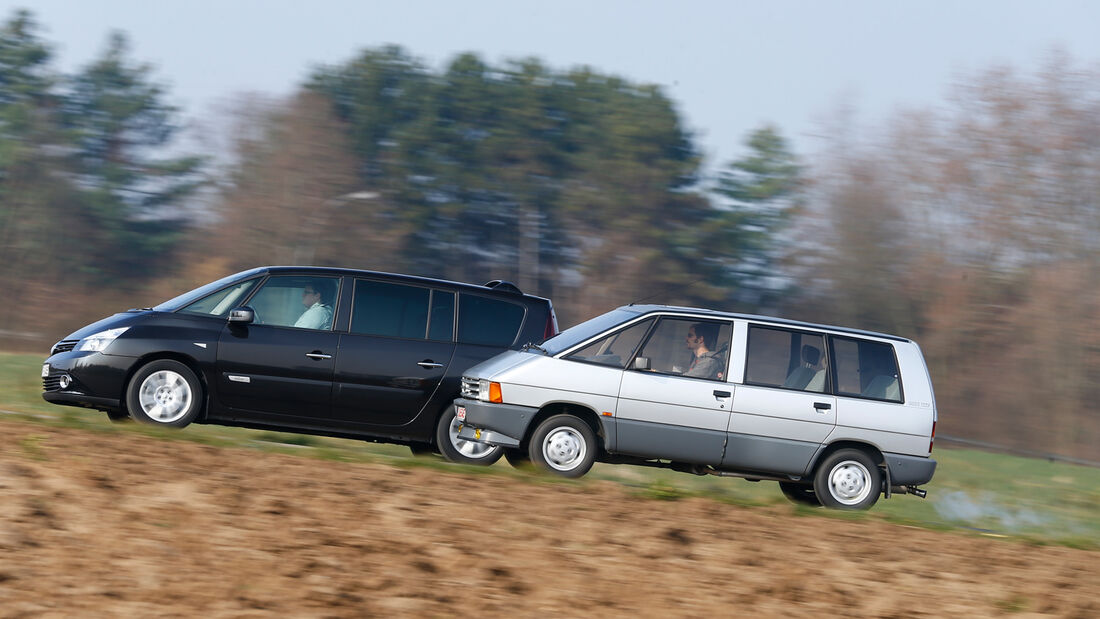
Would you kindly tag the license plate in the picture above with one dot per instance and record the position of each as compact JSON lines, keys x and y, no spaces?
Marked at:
{"x":45,"y":370}
{"x":460,"y":412}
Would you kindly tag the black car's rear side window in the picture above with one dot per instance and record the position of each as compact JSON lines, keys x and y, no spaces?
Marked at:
{"x":392,"y":310}
{"x":491,"y":322}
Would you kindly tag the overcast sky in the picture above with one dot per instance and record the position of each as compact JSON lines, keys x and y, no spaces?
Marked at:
{"x":729,"y":65}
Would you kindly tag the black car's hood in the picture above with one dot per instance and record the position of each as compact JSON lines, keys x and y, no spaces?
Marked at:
{"x":122,"y":319}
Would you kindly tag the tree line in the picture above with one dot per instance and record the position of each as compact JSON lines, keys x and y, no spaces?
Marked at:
{"x":971,"y":228}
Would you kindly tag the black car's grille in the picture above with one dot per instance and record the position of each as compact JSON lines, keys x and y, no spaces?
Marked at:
{"x":51,"y":383}
{"x":64,"y":346}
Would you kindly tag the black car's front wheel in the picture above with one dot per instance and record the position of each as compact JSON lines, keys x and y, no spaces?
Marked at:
{"x":461,"y":450}
{"x":164,"y":393}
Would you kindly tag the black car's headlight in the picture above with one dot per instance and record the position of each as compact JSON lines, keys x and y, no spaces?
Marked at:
{"x":99,"y":341}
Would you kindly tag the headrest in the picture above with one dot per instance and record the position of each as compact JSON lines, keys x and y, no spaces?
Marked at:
{"x":811,"y":355}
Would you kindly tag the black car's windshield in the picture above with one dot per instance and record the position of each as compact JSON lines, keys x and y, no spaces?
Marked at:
{"x":187,"y":298}
{"x":578,"y":333}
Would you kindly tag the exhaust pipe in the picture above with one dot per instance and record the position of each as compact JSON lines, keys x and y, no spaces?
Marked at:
{"x":917,"y":491}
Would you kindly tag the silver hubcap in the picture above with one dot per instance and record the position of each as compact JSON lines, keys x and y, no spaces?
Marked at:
{"x":564,"y":448}
{"x":164,"y":396}
{"x":471,"y":449}
{"x":850,"y":482}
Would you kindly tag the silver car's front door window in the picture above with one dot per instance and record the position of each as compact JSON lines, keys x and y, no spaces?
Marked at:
{"x":676,"y":403}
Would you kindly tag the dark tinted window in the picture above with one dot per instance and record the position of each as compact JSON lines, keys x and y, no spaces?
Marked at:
{"x":392,"y":310}
{"x":866,"y":369}
{"x":615,"y":350}
{"x":442,"y":324}
{"x":786,"y":359}
{"x":488,"y":321}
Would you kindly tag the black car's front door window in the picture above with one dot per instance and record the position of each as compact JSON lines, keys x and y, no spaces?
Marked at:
{"x":305,"y":302}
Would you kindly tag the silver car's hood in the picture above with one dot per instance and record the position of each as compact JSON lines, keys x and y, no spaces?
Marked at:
{"x":505,"y":360}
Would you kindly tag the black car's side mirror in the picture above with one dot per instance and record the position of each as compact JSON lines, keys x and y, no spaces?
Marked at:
{"x":641,"y":363}
{"x":242,"y":315}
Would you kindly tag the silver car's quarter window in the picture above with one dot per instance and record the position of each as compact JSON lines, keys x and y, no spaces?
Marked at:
{"x":689,"y":347}
{"x":866,"y":369}
{"x":615,"y":350}
{"x":391,"y":310}
{"x":219,"y":303}
{"x":786,"y":359}
{"x":301,"y":301}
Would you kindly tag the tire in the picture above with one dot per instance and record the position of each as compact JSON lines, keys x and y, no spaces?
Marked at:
{"x":422,"y":449}
{"x":517,"y":457}
{"x":848,"y":479}
{"x":563,"y":445}
{"x":119,"y":417}
{"x":164,"y":393}
{"x":803,"y":494}
{"x":460,"y":450}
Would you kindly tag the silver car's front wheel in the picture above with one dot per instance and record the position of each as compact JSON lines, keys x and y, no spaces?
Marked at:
{"x":164,"y":393}
{"x":564,"y":445}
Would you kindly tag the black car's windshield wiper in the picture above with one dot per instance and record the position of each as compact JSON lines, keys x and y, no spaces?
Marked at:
{"x":530,"y":345}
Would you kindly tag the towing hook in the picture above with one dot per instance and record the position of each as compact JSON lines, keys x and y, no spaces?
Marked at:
{"x":917,"y":491}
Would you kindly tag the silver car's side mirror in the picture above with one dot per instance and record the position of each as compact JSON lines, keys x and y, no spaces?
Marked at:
{"x":242,"y":315}
{"x":641,"y":363}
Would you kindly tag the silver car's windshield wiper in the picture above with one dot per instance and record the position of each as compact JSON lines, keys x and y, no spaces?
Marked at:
{"x":530,"y":345}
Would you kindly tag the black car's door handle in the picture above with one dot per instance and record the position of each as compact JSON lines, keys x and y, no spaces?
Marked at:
{"x":428,"y":364}
{"x":822,"y":406}
{"x":721,"y":394}
{"x":318,"y":355}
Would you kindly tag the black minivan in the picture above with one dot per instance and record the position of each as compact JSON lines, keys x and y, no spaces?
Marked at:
{"x":339,"y":352}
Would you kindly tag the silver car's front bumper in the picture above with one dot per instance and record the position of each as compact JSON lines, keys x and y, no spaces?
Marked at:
{"x":495,"y":424}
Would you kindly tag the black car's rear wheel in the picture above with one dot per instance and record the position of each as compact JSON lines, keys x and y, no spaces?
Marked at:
{"x":461,"y":450}
{"x":164,"y":393}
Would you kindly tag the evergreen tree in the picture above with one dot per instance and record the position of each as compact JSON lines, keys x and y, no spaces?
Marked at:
{"x":757,"y":196}
{"x":119,"y":120}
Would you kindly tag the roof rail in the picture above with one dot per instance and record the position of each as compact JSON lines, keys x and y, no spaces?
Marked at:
{"x":503,"y":286}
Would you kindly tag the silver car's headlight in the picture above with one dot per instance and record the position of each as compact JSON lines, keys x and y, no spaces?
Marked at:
{"x":99,"y":341}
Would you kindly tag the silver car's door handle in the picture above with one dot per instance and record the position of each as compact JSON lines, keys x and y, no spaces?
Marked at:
{"x":429,"y":364}
{"x":317,"y":356}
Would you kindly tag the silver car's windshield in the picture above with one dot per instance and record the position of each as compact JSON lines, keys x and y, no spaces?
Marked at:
{"x":187,"y":298}
{"x":578,"y":333}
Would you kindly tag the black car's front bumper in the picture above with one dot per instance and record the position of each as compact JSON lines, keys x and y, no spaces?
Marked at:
{"x":495,"y":424}
{"x":96,"y":380}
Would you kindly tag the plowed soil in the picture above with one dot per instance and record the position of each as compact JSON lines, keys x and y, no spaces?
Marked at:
{"x":118,"y":524}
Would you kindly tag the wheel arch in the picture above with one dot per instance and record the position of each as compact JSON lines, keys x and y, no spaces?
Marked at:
{"x":191,"y":363}
{"x":584,"y":413}
{"x":871,"y":450}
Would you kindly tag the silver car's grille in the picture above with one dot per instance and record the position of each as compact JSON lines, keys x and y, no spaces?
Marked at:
{"x":471,"y":388}
{"x":63,"y":346}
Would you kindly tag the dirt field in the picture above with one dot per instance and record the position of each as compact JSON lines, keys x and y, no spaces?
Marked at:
{"x":123,"y":525}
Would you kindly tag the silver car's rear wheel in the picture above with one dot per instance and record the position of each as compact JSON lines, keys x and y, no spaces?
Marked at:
{"x":848,"y":479}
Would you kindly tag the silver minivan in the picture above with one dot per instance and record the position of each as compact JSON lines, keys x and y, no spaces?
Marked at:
{"x":837,"y":416}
